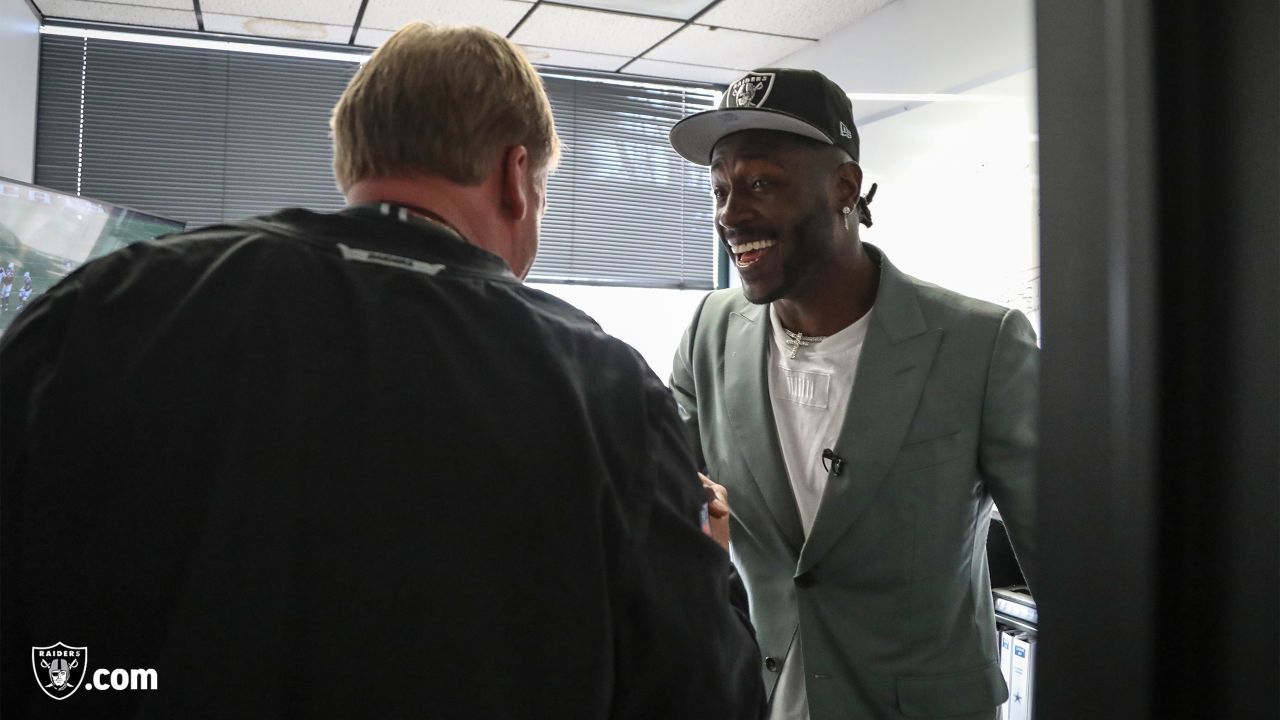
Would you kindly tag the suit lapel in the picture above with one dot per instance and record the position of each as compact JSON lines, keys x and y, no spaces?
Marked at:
{"x":897,"y":356}
{"x":751,"y":415}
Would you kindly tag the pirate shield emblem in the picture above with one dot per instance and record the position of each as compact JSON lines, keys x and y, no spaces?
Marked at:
{"x":750,"y":91}
{"x":59,"y":669}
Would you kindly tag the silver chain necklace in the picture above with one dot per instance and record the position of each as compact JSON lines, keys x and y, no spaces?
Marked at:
{"x":796,"y":340}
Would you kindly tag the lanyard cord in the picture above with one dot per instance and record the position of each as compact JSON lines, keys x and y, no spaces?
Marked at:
{"x":411,"y":215}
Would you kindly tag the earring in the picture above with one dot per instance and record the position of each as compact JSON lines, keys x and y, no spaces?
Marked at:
{"x":846,"y":210}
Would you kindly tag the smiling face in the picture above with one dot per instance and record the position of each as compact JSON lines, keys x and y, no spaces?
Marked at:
{"x":776,"y":213}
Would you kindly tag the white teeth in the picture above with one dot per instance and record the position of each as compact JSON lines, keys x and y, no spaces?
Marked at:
{"x":748,"y":247}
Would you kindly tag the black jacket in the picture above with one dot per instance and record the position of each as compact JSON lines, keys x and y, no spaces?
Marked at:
{"x":349,"y":466}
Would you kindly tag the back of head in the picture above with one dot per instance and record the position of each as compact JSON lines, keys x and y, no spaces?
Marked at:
{"x":441,"y":101}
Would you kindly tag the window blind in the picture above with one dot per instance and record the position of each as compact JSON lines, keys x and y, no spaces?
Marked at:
{"x":209,"y":135}
{"x":624,"y":207}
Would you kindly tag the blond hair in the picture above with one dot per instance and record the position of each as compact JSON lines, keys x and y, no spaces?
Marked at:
{"x":444,"y":101}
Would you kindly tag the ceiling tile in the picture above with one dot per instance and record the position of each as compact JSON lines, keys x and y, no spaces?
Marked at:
{"x":369,"y":37}
{"x":499,"y":16}
{"x":676,"y":9}
{"x":592,"y":31}
{"x":554,"y":57}
{"x":283,"y":29}
{"x":802,"y":18}
{"x":699,"y":45}
{"x":123,"y":14}
{"x":681,"y":71}
{"x":326,"y":12}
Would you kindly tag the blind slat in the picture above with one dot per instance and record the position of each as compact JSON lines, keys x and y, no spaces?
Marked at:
{"x":205,"y":136}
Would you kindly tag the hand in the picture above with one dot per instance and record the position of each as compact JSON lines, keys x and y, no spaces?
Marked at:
{"x":718,"y":509}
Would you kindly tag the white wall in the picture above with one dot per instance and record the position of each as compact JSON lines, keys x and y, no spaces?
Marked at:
{"x":958,"y":203}
{"x":19,"y":73}
{"x":651,"y":321}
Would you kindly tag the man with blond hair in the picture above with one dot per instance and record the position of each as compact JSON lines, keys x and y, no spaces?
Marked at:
{"x":347,"y":465}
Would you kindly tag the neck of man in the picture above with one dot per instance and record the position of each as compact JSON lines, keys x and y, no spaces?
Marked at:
{"x":832,"y":296}
{"x":461,"y":208}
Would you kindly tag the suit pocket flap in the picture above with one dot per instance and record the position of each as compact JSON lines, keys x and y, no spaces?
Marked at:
{"x":927,"y":453}
{"x":962,"y":693}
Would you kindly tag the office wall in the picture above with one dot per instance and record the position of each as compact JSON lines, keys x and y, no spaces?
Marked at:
{"x":648,"y":319}
{"x":19,"y":71}
{"x":958,"y":202}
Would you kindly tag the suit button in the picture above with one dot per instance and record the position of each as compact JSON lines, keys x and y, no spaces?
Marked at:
{"x":805,"y":580}
{"x":771,"y":664}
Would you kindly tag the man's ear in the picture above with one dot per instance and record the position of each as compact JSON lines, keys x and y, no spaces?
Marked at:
{"x":516,"y":200}
{"x":848,"y":184}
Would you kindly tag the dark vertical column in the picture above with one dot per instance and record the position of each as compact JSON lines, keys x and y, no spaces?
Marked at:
{"x":1099,"y":497}
{"x":1160,"y":197}
{"x":1218,"y":97}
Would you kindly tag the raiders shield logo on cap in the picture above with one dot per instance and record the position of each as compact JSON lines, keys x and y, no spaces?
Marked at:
{"x":750,"y":91}
{"x":789,"y":100}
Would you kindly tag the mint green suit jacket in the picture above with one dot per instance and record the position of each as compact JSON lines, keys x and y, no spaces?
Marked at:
{"x":890,"y":591}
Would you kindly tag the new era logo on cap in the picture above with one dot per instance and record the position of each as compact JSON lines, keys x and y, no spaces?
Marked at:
{"x":801,"y":102}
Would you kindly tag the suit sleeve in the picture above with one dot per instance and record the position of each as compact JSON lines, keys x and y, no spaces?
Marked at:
{"x":685,"y":644}
{"x":684,"y":388}
{"x":1007,"y":451}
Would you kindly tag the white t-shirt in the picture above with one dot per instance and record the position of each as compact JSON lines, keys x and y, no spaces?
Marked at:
{"x":809,"y":394}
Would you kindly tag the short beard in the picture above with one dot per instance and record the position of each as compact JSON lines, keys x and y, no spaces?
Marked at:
{"x":806,"y":237}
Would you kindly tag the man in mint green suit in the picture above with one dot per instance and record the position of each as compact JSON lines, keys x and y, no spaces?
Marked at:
{"x":862,"y":422}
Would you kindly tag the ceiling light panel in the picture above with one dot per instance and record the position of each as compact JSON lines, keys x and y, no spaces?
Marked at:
{"x":699,"y":45}
{"x":372,"y":37}
{"x":554,"y":57}
{"x":592,"y":31}
{"x":674,"y":9}
{"x":116,"y":13}
{"x":682,"y":71}
{"x":499,"y":16}
{"x":325,"y":12}
{"x":801,"y":18}
{"x":170,"y":4}
{"x":272,"y":28}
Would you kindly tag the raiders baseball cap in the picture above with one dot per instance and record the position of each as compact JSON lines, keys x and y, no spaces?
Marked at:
{"x":803,"y":102}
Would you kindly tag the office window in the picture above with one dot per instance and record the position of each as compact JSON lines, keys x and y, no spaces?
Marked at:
{"x":625,"y":208}
{"x":210,"y":135}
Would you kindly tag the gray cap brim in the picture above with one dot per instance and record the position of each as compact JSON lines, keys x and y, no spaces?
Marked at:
{"x":695,"y":136}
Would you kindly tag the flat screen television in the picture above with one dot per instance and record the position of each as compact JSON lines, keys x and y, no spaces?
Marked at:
{"x":45,"y":234}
